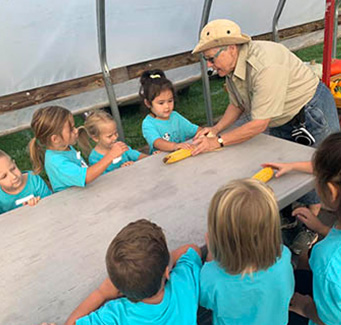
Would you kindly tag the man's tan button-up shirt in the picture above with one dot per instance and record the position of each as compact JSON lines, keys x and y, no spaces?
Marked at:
{"x":271,"y":82}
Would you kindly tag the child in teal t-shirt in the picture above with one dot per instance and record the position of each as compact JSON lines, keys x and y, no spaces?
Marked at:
{"x":153,"y":292}
{"x":250,"y":279}
{"x":17,"y":188}
{"x":55,"y":134}
{"x":324,"y":307}
{"x":102,"y":129}
{"x":163,"y":128}
{"x":127,"y":158}
{"x":325,"y":263}
{"x":65,"y":168}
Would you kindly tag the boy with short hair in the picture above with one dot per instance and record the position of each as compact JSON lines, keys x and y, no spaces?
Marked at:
{"x":139,"y":268}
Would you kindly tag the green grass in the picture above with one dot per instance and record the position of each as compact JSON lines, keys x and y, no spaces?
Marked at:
{"x":316,"y":53}
{"x":189,"y":102}
{"x":16,"y":145}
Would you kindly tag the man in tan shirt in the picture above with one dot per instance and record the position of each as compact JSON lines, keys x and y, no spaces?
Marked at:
{"x":275,"y":90}
{"x":267,"y":82}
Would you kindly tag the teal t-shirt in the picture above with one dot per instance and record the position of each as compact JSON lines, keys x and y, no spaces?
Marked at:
{"x":260,"y":298}
{"x":130,"y":155}
{"x":34,"y":186}
{"x":65,"y":169}
{"x":325,"y":263}
{"x":179,"y":304}
{"x":176,"y":129}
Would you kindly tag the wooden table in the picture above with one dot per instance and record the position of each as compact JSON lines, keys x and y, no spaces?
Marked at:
{"x":52,"y":255}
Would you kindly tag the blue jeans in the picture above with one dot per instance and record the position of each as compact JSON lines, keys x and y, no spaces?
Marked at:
{"x":321,"y":119}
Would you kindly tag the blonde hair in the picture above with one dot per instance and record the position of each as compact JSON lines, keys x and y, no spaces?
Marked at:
{"x":244,"y":227}
{"x":4,"y":154}
{"x":92,"y":128}
{"x":46,"y":121}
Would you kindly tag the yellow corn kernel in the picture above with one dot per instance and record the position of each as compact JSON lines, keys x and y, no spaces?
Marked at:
{"x":177,"y":156}
{"x":264,"y":174}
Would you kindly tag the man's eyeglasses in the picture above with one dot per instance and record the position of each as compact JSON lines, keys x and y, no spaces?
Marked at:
{"x":211,"y":59}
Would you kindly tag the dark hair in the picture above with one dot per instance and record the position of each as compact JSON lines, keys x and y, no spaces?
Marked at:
{"x":153,"y":82}
{"x":327,"y":169}
{"x":137,"y":259}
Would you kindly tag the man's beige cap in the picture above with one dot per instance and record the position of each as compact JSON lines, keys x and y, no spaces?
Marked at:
{"x":218,"y":33}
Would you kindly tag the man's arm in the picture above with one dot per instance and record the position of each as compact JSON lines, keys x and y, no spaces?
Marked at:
{"x":96,"y":299}
{"x":238,"y":135}
{"x":245,"y":132}
{"x":232,"y":113}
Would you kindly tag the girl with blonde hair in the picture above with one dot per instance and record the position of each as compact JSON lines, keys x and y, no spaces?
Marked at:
{"x":52,"y":146}
{"x":18,"y":188}
{"x":102,"y":129}
{"x":250,"y":279}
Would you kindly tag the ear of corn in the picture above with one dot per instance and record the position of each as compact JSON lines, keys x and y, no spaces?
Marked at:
{"x":177,"y":156}
{"x":264,"y":174}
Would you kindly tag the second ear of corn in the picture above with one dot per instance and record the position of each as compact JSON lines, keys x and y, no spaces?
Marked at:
{"x":335,"y":88}
{"x":177,"y":156}
{"x":264,"y":174}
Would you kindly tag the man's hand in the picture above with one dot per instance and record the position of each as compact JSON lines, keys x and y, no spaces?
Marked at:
{"x":205,"y":131}
{"x":204,"y":144}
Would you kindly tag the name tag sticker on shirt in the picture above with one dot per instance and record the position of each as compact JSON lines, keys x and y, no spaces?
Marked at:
{"x":24,"y":199}
{"x":116,"y":160}
{"x":79,"y":157}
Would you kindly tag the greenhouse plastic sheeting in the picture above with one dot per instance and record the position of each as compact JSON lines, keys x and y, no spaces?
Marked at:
{"x":45,"y":42}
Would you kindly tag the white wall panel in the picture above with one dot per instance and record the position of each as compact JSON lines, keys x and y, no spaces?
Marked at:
{"x":45,"y":42}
